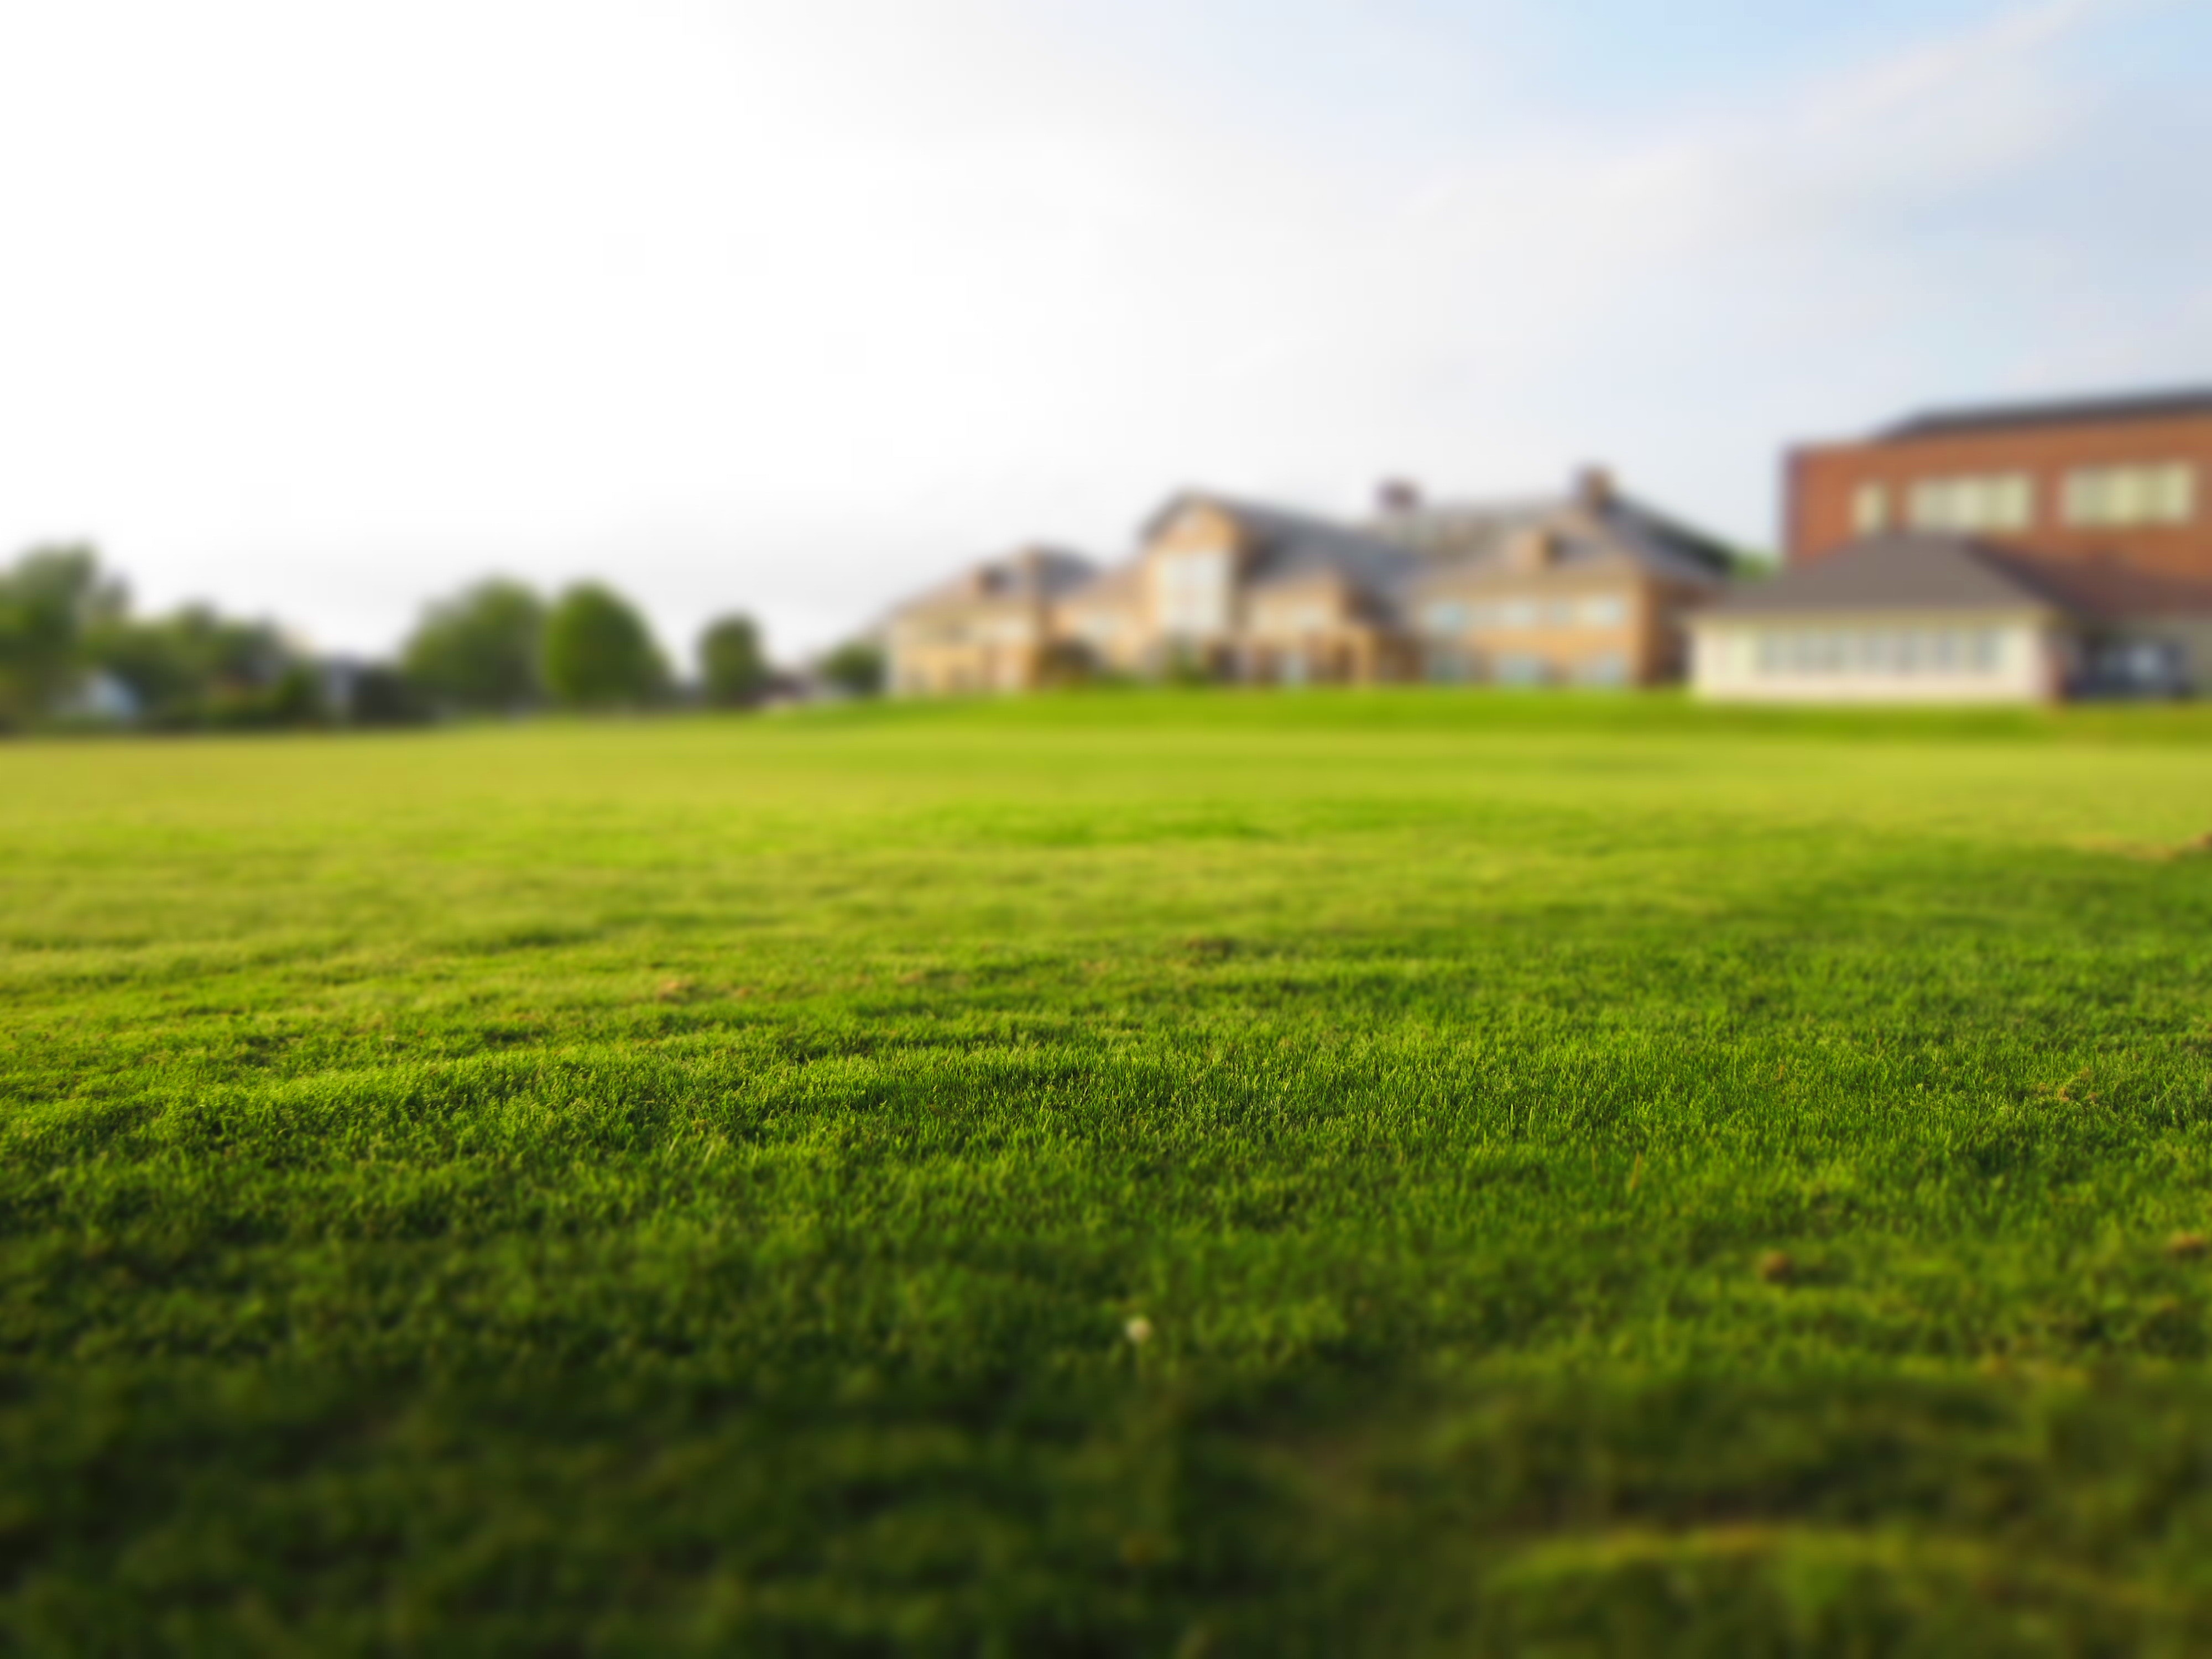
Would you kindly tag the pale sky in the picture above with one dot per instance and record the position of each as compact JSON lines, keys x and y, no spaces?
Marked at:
{"x":320,"y":310}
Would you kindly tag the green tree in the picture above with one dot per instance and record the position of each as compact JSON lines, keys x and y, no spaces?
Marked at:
{"x":195,"y":666}
{"x":599,"y":653}
{"x":856,"y":668}
{"x":731,"y":669}
{"x":481,"y":650}
{"x":49,"y":603}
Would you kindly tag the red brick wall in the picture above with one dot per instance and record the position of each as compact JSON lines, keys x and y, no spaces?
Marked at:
{"x":1819,"y":481}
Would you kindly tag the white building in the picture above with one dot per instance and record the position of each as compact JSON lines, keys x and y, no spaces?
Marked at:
{"x":1946,"y":619}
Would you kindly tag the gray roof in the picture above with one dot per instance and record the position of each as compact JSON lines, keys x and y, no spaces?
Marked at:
{"x":1118,"y":586}
{"x":2070,"y":411}
{"x":1470,"y":538}
{"x":1289,"y":546}
{"x":1461,"y":529}
{"x":1030,"y":572}
{"x":1899,"y":573}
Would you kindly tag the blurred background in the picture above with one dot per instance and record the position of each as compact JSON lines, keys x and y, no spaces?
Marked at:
{"x":311,"y":318}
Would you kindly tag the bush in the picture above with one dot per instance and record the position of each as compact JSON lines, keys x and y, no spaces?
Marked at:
{"x":856,"y":668}
{"x":198,"y":667}
{"x":378,"y":696}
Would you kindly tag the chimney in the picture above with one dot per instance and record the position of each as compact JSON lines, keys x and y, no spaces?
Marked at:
{"x":1529,"y":548}
{"x":1594,"y":487}
{"x":1396,"y":497}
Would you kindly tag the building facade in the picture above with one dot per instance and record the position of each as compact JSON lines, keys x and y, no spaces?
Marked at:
{"x":2020,"y":553}
{"x":988,"y":630}
{"x":1938,"y":618}
{"x":1232,"y":590}
{"x":2124,"y":480}
{"x":1587,"y":589}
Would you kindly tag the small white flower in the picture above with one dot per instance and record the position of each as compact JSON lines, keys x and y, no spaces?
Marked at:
{"x":1139,"y":1330}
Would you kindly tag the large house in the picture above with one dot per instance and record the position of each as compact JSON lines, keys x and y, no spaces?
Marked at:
{"x":1589,"y":587}
{"x":1232,"y":590}
{"x":989,"y":629}
{"x":2026,"y":553}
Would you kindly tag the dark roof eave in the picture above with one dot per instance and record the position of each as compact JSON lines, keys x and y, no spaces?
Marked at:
{"x":2139,"y":406}
{"x":1743,"y":607}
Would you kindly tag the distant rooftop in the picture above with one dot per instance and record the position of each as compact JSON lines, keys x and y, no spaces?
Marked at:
{"x":1921,"y":570}
{"x":2069,"y":411}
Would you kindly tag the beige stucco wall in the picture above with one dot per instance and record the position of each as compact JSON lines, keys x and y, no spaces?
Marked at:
{"x":988,"y":645}
{"x":1569,"y":649}
{"x":2030,"y":658}
{"x":1200,"y":531}
{"x":1111,"y":632}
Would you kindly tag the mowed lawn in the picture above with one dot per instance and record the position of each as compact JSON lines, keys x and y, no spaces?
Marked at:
{"x":1591,"y":1176}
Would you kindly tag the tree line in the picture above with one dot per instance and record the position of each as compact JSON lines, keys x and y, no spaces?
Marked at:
{"x":72,"y":651}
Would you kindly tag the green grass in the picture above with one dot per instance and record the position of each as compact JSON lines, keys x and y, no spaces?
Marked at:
{"x":684,"y":1186}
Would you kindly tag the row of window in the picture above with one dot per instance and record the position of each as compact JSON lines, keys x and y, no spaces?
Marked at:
{"x":1453,"y":617}
{"x":2131,"y":495}
{"x":2089,"y":497}
{"x":1520,"y":668}
{"x":1194,"y":590}
{"x":1882,"y":651}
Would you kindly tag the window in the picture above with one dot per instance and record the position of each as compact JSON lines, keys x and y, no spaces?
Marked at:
{"x":1870,"y":509}
{"x":1889,"y":651}
{"x":1522,"y":670}
{"x":2165,"y":494}
{"x":1609,"y":669}
{"x":1446,"y":618}
{"x":1194,"y":592}
{"x":1990,"y":501}
{"x":1559,"y":613}
{"x":1606,"y":610}
{"x":1517,"y":613}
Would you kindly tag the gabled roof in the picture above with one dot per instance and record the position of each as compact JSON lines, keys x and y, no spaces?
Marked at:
{"x":1033,"y":574}
{"x":1470,"y":539}
{"x":1904,"y":572}
{"x":2108,"y":588}
{"x":2070,"y":411}
{"x":1289,"y":546}
{"x":1117,"y":586}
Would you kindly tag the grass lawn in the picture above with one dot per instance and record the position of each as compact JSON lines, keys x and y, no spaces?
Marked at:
{"x":1593,"y":1176}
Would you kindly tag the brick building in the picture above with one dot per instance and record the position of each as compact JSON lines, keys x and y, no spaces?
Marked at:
{"x":2123,"y":481}
{"x":2024,"y":553}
